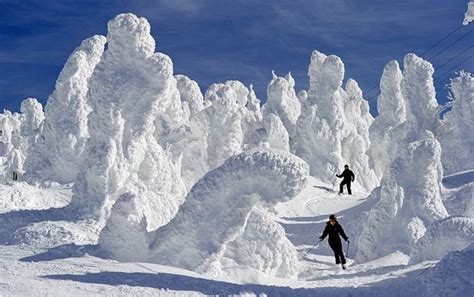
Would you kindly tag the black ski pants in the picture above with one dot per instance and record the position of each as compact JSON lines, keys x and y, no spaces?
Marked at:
{"x":336,"y":246}
{"x":348,"y":183}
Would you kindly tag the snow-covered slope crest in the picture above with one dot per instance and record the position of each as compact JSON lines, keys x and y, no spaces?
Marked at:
{"x":214,"y":213}
{"x":410,"y":200}
{"x":452,"y":276}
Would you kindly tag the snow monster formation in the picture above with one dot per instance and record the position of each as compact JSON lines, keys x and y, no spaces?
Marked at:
{"x":391,"y":108}
{"x":457,"y":132}
{"x":59,"y":153}
{"x":409,"y":201}
{"x":215,"y":213}
{"x":325,"y":136}
{"x":407,"y":107}
{"x":131,"y":91}
{"x":283,"y":102}
{"x":450,"y":234}
{"x":19,"y":133}
{"x":264,"y":247}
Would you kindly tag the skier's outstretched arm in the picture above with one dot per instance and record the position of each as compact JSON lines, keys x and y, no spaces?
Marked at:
{"x":343,"y":234}
{"x":325,"y":233}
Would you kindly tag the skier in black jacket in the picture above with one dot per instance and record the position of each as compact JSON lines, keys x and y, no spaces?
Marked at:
{"x":334,"y":229}
{"x":347,"y":177}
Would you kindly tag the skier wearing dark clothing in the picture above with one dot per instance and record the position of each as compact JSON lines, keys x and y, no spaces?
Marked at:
{"x":334,"y":229}
{"x":347,"y":177}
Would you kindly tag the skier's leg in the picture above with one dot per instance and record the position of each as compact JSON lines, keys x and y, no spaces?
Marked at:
{"x":335,"y":250}
{"x":340,"y":187}
{"x":349,"y":188}
{"x":342,"y":257}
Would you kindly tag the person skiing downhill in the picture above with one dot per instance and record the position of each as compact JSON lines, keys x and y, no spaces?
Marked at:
{"x":334,"y":230}
{"x":347,"y":177}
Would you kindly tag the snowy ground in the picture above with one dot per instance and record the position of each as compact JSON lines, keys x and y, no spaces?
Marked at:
{"x":74,"y":270}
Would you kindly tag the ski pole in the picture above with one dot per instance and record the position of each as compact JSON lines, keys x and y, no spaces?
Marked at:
{"x":312,"y":248}
{"x":347,"y":251}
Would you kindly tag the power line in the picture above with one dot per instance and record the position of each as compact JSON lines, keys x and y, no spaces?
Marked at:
{"x":449,"y":70}
{"x":447,"y":62}
{"x":441,"y":40}
{"x":426,"y":51}
{"x":451,"y":44}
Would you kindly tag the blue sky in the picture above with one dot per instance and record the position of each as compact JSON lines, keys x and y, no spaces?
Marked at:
{"x":213,"y":41}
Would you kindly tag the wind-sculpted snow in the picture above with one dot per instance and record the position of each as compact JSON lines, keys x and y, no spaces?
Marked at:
{"x":452,"y":276}
{"x":282,"y":101}
{"x":407,"y":107}
{"x":59,"y":154}
{"x":410,"y":200}
{"x":391,"y":108}
{"x":19,"y":133}
{"x":214,"y":213}
{"x":457,"y":135}
{"x":217,"y":208}
{"x":275,"y":133}
{"x":420,"y":97}
{"x":469,"y":15}
{"x":461,"y":201}
{"x":443,"y":236}
{"x":333,"y":127}
{"x":132,"y":94}
{"x":264,"y":247}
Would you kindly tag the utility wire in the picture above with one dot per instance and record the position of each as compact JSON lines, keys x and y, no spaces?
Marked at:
{"x":447,"y":62}
{"x":450,"y":45}
{"x":441,"y":40}
{"x":425,"y":52}
{"x":449,"y":70}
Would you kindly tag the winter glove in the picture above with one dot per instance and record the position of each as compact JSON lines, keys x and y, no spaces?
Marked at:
{"x":320,"y":238}
{"x":348,"y":241}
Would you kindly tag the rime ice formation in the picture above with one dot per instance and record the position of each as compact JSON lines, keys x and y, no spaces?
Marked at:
{"x":407,"y":107}
{"x":283,"y":102}
{"x":410,"y":200}
{"x":275,"y":133}
{"x":325,"y":136}
{"x":132,"y":94}
{"x":391,"y":108}
{"x":457,"y":136}
{"x":264,"y":247}
{"x":19,"y":132}
{"x":214,"y":213}
{"x":59,"y":154}
{"x":443,"y":236}
{"x":469,"y":15}
{"x":419,"y":93}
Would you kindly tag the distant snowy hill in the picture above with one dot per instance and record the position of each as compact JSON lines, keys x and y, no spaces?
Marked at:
{"x":213,"y":193}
